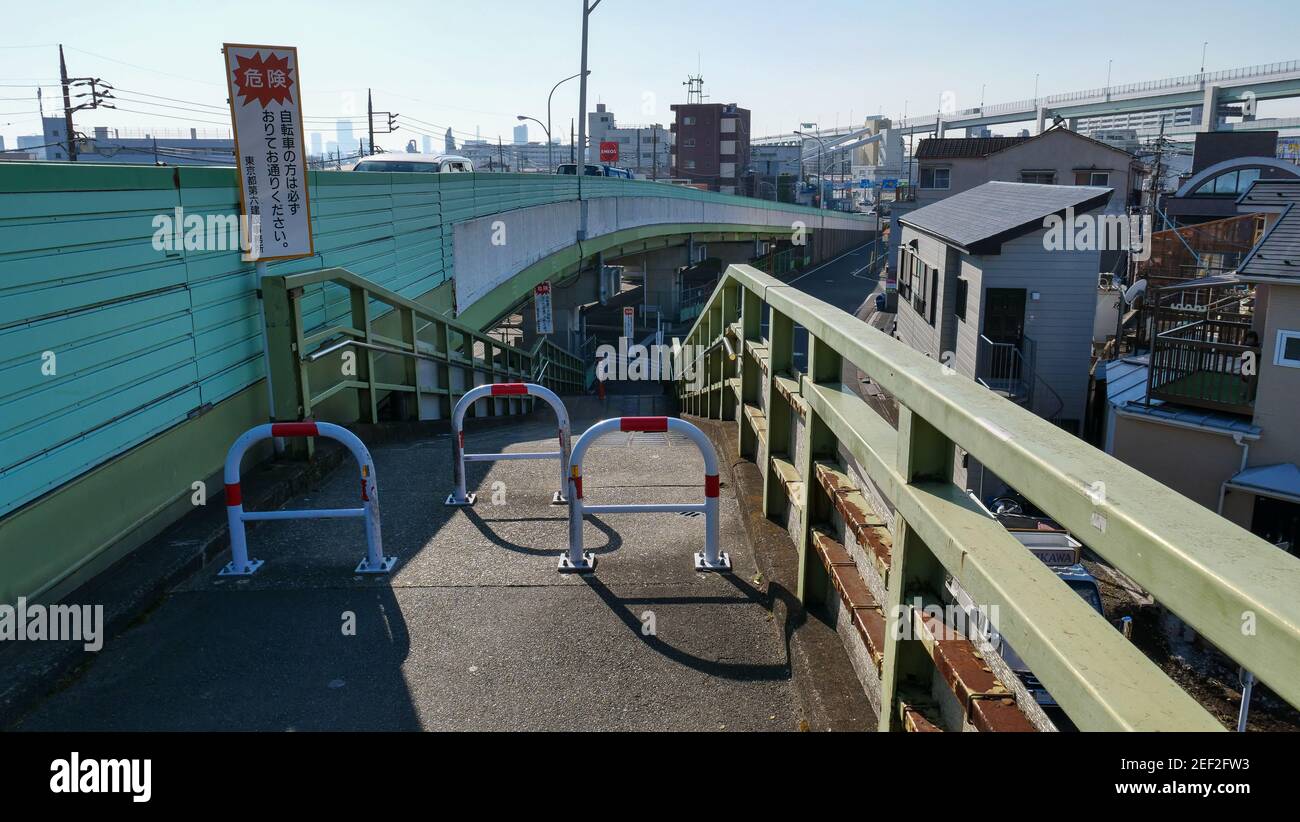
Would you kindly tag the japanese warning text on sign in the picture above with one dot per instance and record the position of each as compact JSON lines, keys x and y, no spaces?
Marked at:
{"x":266,"y":109}
{"x":542,"y":308}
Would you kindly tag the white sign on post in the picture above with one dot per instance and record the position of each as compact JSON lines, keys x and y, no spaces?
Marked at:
{"x":542,"y":308}
{"x":629,"y":322}
{"x":266,"y":110}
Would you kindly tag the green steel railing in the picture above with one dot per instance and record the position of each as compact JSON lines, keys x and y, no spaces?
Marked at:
{"x":386,"y":360}
{"x":1238,"y":591}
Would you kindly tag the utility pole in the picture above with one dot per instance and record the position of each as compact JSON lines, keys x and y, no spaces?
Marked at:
{"x":370,"y":120}
{"x":67,"y":108}
{"x":587,"y":9}
{"x":654,"y":152}
{"x":572,"y":143}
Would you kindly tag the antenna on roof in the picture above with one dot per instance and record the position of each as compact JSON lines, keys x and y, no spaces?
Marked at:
{"x":694,"y":89}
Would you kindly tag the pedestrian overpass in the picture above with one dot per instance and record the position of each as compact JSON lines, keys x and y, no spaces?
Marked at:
{"x":161,"y":360}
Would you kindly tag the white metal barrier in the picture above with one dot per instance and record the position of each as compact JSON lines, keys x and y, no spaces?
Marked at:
{"x":577,"y":561}
{"x":374,"y":561}
{"x":505,"y":389}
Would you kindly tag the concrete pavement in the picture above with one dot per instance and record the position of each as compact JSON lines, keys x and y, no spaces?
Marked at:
{"x":475,"y":630}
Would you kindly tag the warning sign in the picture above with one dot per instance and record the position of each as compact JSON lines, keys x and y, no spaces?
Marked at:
{"x":266,"y":112}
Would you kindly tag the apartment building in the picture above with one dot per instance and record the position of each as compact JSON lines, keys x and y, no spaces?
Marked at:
{"x":711,"y":144}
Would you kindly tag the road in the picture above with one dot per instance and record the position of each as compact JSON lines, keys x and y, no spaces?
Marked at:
{"x":845,"y":283}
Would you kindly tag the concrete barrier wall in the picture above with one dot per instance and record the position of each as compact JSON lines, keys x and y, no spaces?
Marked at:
{"x":490,"y":250}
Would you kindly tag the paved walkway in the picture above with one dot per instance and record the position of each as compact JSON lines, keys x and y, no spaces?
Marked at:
{"x":475,"y":630}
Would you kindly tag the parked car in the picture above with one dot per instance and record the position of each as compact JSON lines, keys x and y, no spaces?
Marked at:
{"x":1058,"y":550}
{"x":426,"y":163}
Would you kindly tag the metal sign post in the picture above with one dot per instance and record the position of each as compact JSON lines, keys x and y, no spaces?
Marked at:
{"x":265,"y":95}
{"x":544,"y":319}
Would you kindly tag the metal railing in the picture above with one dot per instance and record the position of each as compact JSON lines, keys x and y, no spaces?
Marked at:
{"x":1209,"y":572}
{"x":1002,"y":368}
{"x":385,"y":364}
{"x":1200,"y":362}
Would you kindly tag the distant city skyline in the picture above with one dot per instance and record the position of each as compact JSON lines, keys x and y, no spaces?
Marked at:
{"x":804,"y":73}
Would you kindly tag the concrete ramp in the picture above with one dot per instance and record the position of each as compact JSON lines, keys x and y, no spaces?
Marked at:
{"x":475,"y":630}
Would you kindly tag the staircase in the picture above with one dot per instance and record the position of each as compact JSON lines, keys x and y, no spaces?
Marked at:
{"x":1007,"y":369}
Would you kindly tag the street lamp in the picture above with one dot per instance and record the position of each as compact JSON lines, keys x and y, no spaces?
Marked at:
{"x":821,"y":146}
{"x":549,"y":158}
{"x":588,"y":6}
{"x":545,"y":128}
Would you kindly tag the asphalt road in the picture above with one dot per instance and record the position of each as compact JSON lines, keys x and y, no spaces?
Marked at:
{"x":844,"y":282}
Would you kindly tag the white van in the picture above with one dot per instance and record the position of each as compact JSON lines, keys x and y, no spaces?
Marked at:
{"x":427,"y":163}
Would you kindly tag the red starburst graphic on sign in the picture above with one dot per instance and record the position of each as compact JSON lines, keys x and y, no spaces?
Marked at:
{"x":265,"y":80}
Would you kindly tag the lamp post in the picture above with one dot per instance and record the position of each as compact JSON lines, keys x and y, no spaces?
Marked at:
{"x":821,"y":146}
{"x":588,"y":6}
{"x":547,"y":129}
{"x":549,"y":158}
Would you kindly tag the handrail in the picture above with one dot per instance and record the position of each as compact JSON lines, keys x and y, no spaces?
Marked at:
{"x":1210,"y":572}
{"x":293,"y":349}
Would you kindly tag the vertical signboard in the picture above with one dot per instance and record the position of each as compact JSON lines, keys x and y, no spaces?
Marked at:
{"x":629,"y":322}
{"x":544,"y":320}
{"x":266,"y":110}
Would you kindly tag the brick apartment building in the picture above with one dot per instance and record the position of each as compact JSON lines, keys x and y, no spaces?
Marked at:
{"x":711,"y":145}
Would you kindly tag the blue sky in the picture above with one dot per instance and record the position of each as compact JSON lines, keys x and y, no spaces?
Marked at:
{"x":476,"y":65}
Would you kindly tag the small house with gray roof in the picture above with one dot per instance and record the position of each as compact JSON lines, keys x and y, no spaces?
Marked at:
{"x":985,"y":289}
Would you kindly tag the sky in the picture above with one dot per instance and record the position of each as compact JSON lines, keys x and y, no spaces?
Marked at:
{"x":474,"y":66}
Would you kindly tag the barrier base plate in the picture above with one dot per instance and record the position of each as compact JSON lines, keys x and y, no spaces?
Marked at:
{"x":587,"y":566}
{"x":469,"y":500}
{"x":723,"y":564}
{"x":558,"y":499}
{"x":248,"y":570}
{"x":385,"y":565}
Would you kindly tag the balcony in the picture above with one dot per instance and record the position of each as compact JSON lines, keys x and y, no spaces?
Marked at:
{"x":1197,"y":361}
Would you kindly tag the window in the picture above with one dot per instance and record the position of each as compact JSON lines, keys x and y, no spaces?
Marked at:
{"x":936,"y":177}
{"x":959,"y":306}
{"x":1228,"y":184}
{"x":918,"y":283}
{"x":1092,"y":178}
{"x":688,"y":121}
{"x":688,"y":142}
{"x":1044,"y":178}
{"x":1288,"y":349}
{"x":729,"y":125}
{"x":933,"y":292}
{"x":690,"y":164}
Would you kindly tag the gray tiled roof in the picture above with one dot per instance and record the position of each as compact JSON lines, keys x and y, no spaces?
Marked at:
{"x":935,"y":148}
{"x":1277,"y":255}
{"x":995,"y":209}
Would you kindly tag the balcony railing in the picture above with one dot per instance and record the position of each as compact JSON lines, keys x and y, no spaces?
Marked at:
{"x":809,"y":431}
{"x":1200,"y":357}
